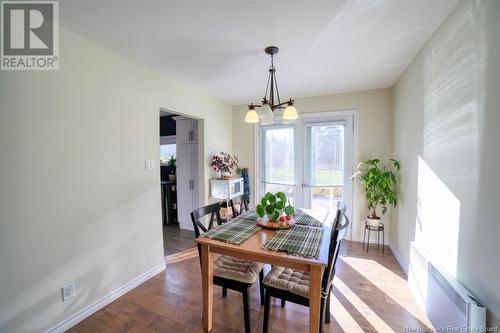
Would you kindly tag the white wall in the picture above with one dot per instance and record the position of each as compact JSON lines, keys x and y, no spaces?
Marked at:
{"x":446,"y":121}
{"x":375,"y":131}
{"x":75,"y":201}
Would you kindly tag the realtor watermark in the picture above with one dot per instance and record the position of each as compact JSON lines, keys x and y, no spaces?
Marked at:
{"x":450,"y":329}
{"x":29,"y":35}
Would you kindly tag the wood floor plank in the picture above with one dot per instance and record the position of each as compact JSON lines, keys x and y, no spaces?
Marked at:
{"x":370,"y":291}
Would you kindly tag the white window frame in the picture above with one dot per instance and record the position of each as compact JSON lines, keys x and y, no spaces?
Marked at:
{"x":328,"y":116}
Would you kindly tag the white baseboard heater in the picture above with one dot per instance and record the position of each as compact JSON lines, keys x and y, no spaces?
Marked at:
{"x":448,"y":305}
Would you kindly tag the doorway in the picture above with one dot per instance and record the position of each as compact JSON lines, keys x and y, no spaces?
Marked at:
{"x":310,"y":160}
{"x":179,"y":179}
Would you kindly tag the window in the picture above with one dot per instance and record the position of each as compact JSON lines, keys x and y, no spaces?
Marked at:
{"x":310,"y":160}
{"x":279,"y":161}
{"x":166,"y":152}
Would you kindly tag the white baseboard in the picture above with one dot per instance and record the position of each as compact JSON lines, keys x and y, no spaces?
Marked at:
{"x":401,"y":262}
{"x":92,"y":308}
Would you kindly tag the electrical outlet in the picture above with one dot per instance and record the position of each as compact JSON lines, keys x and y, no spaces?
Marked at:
{"x":149,"y":165}
{"x":68,"y":291}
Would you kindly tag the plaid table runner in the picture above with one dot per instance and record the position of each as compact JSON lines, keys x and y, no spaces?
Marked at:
{"x":305,"y":219}
{"x":236,"y":231}
{"x":299,"y":240}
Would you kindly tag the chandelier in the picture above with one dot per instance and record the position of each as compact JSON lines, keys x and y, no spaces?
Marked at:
{"x":271,"y":100}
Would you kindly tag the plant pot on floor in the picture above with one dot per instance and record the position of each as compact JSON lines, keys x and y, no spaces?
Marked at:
{"x":373,"y":222}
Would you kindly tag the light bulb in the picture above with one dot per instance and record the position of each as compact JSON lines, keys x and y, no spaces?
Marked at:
{"x":251,"y":117}
{"x":266,"y":114}
{"x":290,"y":113}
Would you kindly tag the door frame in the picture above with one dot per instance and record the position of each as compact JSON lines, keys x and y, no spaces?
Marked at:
{"x":201,"y":177}
{"x":315,"y":116}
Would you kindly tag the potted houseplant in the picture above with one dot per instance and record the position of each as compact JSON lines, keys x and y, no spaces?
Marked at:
{"x":379,"y":184}
{"x":225,"y":164}
{"x":172,"y":167}
{"x":276,"y":207}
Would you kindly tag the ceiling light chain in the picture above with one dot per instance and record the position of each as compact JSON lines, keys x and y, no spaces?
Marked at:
{"x":265,"y":116}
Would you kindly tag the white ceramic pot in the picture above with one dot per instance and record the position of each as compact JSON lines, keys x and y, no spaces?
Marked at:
{"x":226,"y":174}
{"x":373,"y":222}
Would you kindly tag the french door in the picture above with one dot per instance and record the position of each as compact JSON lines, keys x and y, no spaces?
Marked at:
{"x":311,"y":161}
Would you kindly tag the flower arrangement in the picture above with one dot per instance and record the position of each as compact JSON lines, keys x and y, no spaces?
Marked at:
{"x":224,"y":163}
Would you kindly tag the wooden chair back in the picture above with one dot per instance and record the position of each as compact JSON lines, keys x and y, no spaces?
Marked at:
{"x":243,"y":202}
{"x":197,"y":216}
{"x":338,"y":232}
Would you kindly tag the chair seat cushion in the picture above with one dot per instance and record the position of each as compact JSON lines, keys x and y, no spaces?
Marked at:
{"x":237,"y":269}
{"x":288,"y":279}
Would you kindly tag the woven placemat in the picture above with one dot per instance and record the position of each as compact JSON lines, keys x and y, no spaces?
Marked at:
{"x":236,"y":231}
{"x":302,"y":218}
{"x":299,"y":240}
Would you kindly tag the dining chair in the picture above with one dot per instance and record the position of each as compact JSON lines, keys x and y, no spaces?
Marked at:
{"x":242,"y":202}
{"x":293,"y":285}
{"x":229,"y":272}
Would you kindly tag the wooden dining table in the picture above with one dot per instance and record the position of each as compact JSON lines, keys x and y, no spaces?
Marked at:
{"x":252,"y":250}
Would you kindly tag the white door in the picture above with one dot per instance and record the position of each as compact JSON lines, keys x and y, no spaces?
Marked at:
{"x":327,"y":163}
{"x":186,"y":183}
{"x":278,"y":171}
{"x":311,"y":161}
{"x":186,"y":130}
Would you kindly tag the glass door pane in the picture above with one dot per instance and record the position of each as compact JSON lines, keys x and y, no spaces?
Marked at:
{"x":325,"y":165}
{"x":278,"y":163}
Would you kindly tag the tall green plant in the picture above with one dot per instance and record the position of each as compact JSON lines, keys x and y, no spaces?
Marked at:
{"x":379,"y":184}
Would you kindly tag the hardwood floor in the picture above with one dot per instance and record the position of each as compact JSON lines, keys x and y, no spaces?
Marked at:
{"x":176,"y":240}
{"x":370,"y":295}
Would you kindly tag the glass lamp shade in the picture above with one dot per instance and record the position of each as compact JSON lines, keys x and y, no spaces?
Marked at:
{"x":266,"y":115}
{"x":290,"y":113}
{"x":251,"y":117}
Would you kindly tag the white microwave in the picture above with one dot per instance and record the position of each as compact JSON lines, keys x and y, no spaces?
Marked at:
{"x":226,"y":188}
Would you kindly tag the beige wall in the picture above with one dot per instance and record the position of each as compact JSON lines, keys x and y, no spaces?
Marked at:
{"x":76,"y":203}
{"x":446,"y":113}
{"x":375,"y":130}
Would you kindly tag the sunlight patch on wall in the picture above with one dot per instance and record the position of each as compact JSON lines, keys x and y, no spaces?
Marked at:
{"x":448,"y":166}
{"x":438,"y":219}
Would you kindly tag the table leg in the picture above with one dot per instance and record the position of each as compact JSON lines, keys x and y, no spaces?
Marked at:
{"x":207,"y":286}
{"x":315,"y":298}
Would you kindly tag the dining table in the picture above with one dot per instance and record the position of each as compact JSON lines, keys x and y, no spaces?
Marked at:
{"x":252,"y":250}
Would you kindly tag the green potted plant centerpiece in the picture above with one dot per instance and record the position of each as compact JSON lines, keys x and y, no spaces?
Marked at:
{"x":276,"y":207}
{"x":379,"y":184}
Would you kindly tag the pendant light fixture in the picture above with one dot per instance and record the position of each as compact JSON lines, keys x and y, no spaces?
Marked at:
{"x":271,"y":101}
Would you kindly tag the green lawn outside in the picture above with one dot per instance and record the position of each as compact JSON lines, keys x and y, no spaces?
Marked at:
{"x":321,"y":177}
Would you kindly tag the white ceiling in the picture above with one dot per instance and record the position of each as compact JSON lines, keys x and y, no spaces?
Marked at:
{"x":218,"y":46}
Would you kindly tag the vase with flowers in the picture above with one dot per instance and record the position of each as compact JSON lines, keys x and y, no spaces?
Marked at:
{"x":224,"y":163}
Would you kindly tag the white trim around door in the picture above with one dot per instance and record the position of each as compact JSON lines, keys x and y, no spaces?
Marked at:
{"x":346,"y":117}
